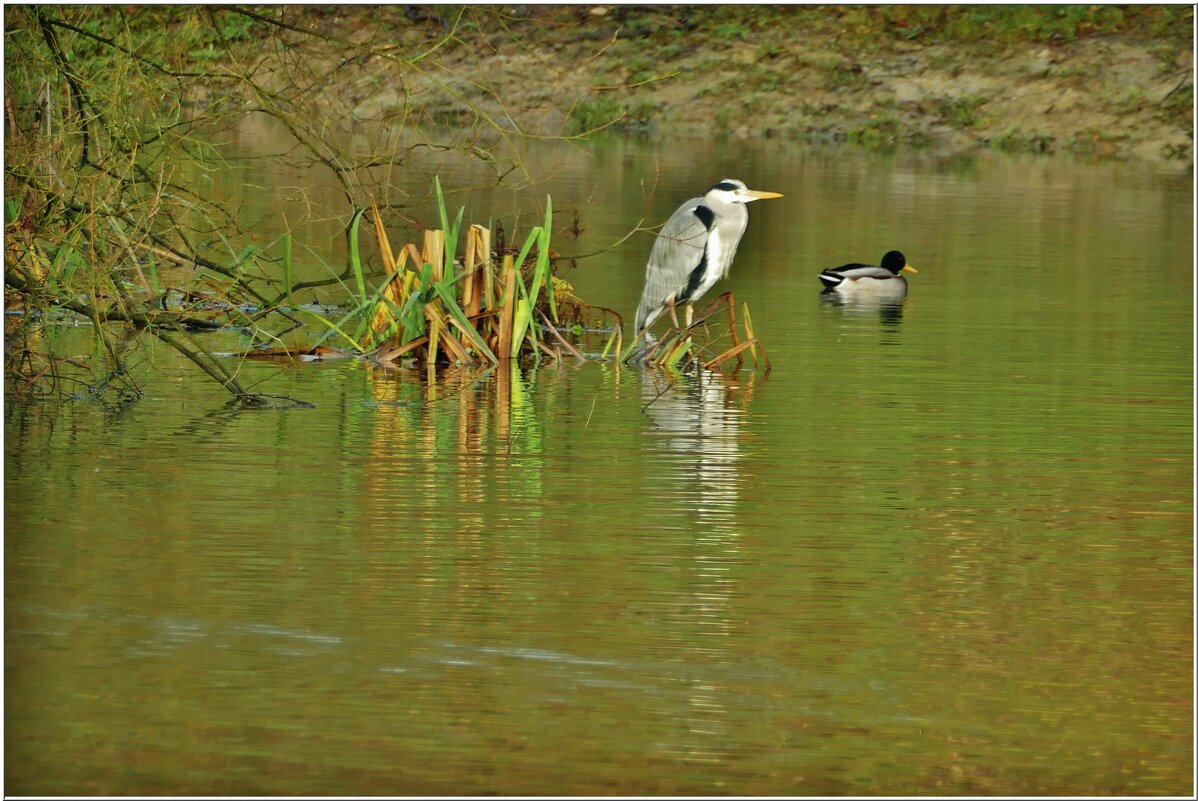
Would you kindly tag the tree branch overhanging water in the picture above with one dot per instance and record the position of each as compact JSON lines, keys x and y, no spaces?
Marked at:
{"x":94,"y":190}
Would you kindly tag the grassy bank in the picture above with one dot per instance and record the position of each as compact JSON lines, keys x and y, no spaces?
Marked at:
{"x":1107,"y":80}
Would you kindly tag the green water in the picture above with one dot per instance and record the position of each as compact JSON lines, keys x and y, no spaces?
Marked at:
{"x":940,"y":551}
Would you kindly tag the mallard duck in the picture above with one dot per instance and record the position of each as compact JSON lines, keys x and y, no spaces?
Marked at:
{"x":851,"y":280}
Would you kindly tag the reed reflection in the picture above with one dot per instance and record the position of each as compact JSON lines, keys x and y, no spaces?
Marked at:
{"x":479,"y":413}
{"x":467,"y":452}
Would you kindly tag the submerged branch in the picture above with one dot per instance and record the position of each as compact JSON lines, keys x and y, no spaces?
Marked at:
{"x":163,"y":325}
{"x":204,"y":360}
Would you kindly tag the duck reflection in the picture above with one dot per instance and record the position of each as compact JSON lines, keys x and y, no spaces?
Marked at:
{"x":697,"y":417}
{"x":889,"y":311}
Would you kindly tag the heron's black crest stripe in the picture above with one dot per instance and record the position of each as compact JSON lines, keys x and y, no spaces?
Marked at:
{"x":693,"y":280}
{"x":705,"y":215}
{"x":727,"y":186}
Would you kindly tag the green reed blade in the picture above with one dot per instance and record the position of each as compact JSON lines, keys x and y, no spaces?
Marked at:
{"x":611,"y":340}
{"x":681,"y":350}
{"x":441,"y":203}
{"x":355,"y":261}
{"x":364,"y":311}
{"x":411,"y":316}
{"x":425,"y":284}
{"x":451,"y":242}
{"x":451,"y":232}
{"x":521,"y":327}
{"x":67,"y":259}
{"x":393,"y":322}
{"x":528,"y":296}
{"x":528,"y":243}
{"x":414,"y":322}
{"x":543,"y":266}
{"x":154,"y":282}
{"x":459,"y":315}
{"x":287,"y":266}
{"x":334,"y":328}
{"x":632,"y":345}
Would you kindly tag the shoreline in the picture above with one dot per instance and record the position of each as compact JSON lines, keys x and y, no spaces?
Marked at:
{"x":553,"y":72}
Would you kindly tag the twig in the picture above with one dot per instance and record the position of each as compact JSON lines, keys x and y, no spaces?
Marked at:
{"x":573,"y":350}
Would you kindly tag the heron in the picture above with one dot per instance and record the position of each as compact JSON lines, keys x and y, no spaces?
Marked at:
{"x":695,"y":250}
{"x":867,"y":280}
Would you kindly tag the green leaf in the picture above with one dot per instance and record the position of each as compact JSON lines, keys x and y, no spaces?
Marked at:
{"x":544,"y":273}
{"x":355,"y":262}
{"x":520,"y":327}
{"x":441,"y":203}
{"x":287,"y":265}
{"x":476,"y":340}
{"x":334,"y":328}
{"x":677,"y":355}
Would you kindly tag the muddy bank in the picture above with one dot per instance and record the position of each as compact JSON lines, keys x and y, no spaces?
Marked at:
{"x":784,"y":72}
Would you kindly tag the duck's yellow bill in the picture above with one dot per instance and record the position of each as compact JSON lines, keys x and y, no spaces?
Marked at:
{"x":907,"y":268}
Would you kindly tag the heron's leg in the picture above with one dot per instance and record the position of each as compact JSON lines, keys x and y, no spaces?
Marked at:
{"x":690,"y":314}
{"x":673,"y":314}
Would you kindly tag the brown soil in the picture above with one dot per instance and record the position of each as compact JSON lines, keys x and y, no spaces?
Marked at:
{"x":566,"y":69}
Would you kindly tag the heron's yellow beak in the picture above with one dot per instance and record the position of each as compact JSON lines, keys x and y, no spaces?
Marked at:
{"x":907,"y":268}
{"x":759,"y":195}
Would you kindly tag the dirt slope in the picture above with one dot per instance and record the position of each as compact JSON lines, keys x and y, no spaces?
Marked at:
{"x":794,"y":72}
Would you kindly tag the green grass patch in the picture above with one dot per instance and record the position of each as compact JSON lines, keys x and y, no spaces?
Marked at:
{"x":606,"y":111}
{"x":962,"y":112}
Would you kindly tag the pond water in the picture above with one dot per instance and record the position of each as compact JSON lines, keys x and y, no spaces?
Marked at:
{"x":942,"y":549}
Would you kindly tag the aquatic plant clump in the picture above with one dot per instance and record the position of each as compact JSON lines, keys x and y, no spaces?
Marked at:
{"x":694,"y":346}
{"x":489,"y":306}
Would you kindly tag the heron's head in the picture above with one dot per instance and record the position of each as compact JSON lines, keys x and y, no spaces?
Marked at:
{"x":731,"y":190}
{"x":897,"y":263}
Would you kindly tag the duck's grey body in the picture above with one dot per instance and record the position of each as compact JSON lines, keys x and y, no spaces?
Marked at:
{"x":695,"y":248}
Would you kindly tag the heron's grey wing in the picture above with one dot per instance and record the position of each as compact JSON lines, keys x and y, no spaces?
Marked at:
{"x":676,"y":253}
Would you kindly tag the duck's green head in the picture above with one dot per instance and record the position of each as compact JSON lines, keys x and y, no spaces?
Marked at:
{"x":896,"y":263}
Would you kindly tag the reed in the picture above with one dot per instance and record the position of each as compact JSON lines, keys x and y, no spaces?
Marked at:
{"x":435,"y":308}
{"x":704,"y":343}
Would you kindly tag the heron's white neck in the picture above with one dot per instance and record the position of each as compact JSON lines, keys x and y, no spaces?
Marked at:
{"x":731,"y":221}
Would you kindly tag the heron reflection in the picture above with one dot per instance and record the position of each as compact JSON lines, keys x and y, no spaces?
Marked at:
{"x":698,"y":419}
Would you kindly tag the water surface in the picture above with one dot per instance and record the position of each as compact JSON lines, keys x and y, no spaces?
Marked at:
{"x":939,"y":549}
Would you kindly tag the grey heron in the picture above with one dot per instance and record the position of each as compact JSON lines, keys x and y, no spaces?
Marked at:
{"x":866,"y":280}
{"x":695,"y":249}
